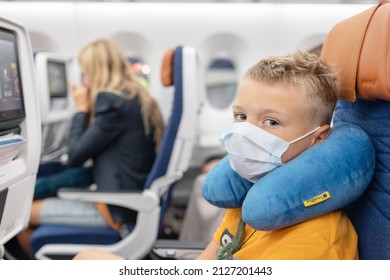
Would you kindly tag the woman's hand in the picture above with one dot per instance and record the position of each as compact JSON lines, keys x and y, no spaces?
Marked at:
{"x":81,"y":98}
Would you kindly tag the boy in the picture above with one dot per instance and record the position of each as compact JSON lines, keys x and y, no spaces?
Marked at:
{"x":283,"y":108}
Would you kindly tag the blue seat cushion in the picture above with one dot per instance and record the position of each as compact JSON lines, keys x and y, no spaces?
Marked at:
{"x":370,"y":214}
{"x":62,"y":234}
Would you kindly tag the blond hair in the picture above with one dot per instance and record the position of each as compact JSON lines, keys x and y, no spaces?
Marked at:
{"x":110,"y":71}
{"x":320,"y":82}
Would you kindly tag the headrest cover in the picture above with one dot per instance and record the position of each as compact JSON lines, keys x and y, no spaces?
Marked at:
{"x":359,"y":48}
{"x":373,"y":76}
{"x":167,"y":68}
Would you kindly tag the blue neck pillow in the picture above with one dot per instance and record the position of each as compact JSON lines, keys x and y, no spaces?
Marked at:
{"x":324,"y":178}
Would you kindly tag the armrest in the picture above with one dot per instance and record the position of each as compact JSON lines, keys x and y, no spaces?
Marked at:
{"x":178,"y":249}
{"x":162,"y":184}
{"x":145,"y":201}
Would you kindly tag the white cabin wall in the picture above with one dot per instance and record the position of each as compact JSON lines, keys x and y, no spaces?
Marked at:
{"x":242,"y":32}
{"x":136,"y":29}
{"x":51,"y":26}
{"x":305,"y":26}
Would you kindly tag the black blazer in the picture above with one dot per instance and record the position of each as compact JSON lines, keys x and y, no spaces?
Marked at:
{"x":122,"y":154}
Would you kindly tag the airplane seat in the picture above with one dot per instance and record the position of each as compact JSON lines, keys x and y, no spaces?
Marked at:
{"x":179,"y":69}
{"x":53,"y":73}
{"x":359,"y":47}
{"x":20,"y":136}
{"x":57,"y":108}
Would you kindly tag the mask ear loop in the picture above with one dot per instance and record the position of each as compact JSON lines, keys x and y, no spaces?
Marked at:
{"x":303,"y":136}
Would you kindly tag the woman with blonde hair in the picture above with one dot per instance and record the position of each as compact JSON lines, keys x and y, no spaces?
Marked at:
{"x":119,"y":126}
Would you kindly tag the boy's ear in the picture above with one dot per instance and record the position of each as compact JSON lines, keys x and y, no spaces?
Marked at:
{"x":321,"y":134}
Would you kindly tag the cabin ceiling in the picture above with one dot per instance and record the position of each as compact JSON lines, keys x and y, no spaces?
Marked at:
{"x":216,"y":1}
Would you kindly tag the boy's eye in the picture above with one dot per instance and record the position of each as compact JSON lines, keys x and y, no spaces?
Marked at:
{"x":240,"y":117}
{"x":271,"y":122}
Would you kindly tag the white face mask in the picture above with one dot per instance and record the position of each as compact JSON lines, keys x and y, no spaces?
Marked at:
{"x":253,"y":152}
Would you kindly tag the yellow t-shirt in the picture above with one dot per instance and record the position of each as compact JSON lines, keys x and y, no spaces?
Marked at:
{"x":328,"y":237}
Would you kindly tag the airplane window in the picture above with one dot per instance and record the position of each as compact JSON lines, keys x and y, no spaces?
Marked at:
{"x":221,"y":82}
{"x":141,"y":70}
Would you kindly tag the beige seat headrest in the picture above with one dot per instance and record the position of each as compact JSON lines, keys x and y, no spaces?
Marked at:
{"x":360,"y":49}
{"x":167,"y":68}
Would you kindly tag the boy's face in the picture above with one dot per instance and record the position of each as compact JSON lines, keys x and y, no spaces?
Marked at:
{"x":277,"y":109}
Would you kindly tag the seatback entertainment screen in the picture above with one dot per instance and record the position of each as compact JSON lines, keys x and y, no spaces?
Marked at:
{"x":57,"y":79}
{"x":11,"y":91}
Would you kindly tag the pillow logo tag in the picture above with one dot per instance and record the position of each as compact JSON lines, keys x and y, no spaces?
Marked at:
{"x":317,"y":199}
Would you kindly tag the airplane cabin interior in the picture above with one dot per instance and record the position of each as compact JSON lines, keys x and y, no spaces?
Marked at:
{"x":190,"y":56}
